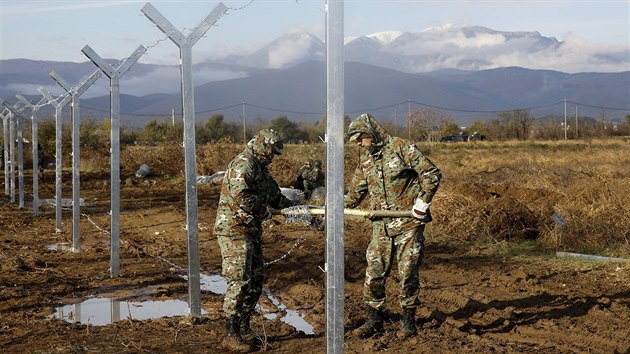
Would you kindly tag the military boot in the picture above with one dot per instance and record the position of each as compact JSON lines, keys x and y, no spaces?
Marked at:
{"x":408,"y":327}
{"x":233,"y":340}
{"x":373,"y":324}
{"x":246,"y":330}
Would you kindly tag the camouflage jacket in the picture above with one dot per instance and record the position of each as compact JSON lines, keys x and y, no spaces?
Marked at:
{"x":247,"y":190}
{"x":393,"y":172}
{"x":312,"y":174}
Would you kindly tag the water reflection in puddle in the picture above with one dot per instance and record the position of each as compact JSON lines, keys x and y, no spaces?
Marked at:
{"x":63,"y":247}
{"x":293,"y":318}
{"x":218,"y":285}
{"x":104,"y":311}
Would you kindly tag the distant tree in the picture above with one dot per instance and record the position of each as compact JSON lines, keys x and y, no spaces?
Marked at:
{"x":216,"y":129}
{"x":516,"y":123}
{"x":287,"y":129}
{"x":158,"y":132}
{"x":448,"y":127}
{"x":423,"y":123}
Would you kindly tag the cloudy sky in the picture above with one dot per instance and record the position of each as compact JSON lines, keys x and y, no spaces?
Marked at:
{"x":57,"y":30}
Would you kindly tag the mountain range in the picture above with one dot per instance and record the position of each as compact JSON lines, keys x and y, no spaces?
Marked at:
{"x":458,"y":69}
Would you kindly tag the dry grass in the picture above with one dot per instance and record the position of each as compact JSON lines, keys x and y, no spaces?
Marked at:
{"x":491,"y":192}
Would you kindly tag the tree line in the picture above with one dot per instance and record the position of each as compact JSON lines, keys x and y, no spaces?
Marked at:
{"x":421,"y":125}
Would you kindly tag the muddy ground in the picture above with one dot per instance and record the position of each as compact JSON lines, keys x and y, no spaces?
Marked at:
{"x":477,"y":298}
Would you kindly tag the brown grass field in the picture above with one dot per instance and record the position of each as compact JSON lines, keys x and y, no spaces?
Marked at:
{"x":491,"y":281}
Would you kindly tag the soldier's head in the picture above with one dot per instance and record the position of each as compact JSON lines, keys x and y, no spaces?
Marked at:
{"x":367,"y":132}
{"x":360,"y":131}
{"x":266,"y":144}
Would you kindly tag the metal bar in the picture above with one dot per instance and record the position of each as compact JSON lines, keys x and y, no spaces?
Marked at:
{"x":192,"y":221}
{"x":115,"y":176}
{"x":12,"y":156}
{"x":334,"y":177}
{"x":355,"y":212}
{"x":34,"y":109}
{"x":5,"y":158}
{"x":20,"y":159}
{"x":114,"y":77}
{"x":76,"y":150}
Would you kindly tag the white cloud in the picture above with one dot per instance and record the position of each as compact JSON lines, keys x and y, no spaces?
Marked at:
{"x":289,"y":51}
{"x":30,"y":7}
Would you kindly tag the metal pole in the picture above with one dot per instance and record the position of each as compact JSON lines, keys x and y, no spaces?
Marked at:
{"x":185,"y":45}
{"x":244,"y":123}
{"x":9,"y":146}
{"x":20,"y":159}
{"x":5,"y":158}
{"x":35,"y":148}
{"x":334,"y":178}
{"x":76,"y":150}
{"x":58,"y":108}
{"x":114,"y":96}
{"x":565,"y":119}
{"x":12,"y":155}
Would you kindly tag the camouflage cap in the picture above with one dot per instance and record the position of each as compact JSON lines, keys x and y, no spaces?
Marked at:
{"x":271,"y":139}
{"x":358,"y":126}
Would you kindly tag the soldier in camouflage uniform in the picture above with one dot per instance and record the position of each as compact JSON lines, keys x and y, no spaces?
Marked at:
{"x":396,"y":176}
{"x":310,"y":176}
{"x":246,"y":194}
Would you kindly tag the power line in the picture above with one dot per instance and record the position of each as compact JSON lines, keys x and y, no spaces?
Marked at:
{"x":371,"y":109}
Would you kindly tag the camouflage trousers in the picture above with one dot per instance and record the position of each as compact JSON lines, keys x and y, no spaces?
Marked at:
{"x":408,"y":251}
{"x":242,"y":262}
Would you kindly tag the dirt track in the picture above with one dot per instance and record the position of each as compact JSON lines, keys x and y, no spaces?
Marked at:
{"x":476,"y":298}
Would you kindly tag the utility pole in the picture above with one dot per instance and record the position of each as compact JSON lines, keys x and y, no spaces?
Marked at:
{"x":244,"y":123}
{"x":409,"y":119}
{"x":565,"y":119}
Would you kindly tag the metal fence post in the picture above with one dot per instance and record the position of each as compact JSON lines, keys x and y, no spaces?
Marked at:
{"x":114,"y":78}
{"x":185,"y":45}
{"x":334,"y":177}
{"x":76,"y":149}
{"x":58,"y":122}
{"x":35,"y":148}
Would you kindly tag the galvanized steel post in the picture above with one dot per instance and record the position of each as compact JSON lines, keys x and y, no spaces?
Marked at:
{"x":185,"y":45}
{"x":58,"y":108}
{"x":76,"y":149}
{"x":5,"y":149}
{"x":35,"y":148}
{"x":334,"y":177}
{"x":13,"y":113}
{"x":114,"y":79}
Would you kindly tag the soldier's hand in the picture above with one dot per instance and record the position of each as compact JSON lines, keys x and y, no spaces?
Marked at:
{"x":420,"y":209}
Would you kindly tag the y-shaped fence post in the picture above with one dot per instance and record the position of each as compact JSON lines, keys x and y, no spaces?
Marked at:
{"x":35,"y":148}
{"x":9,"y":147}
{"x":5,"y":148}
{"x":58,"y":121}
{"x":192,"y":220}
{"x":15,"y":113}
{"x":76,"y":149}
{"x":114,"y":79}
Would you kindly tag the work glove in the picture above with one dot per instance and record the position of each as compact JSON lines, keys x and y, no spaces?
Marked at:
{"x":420,"y":209}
